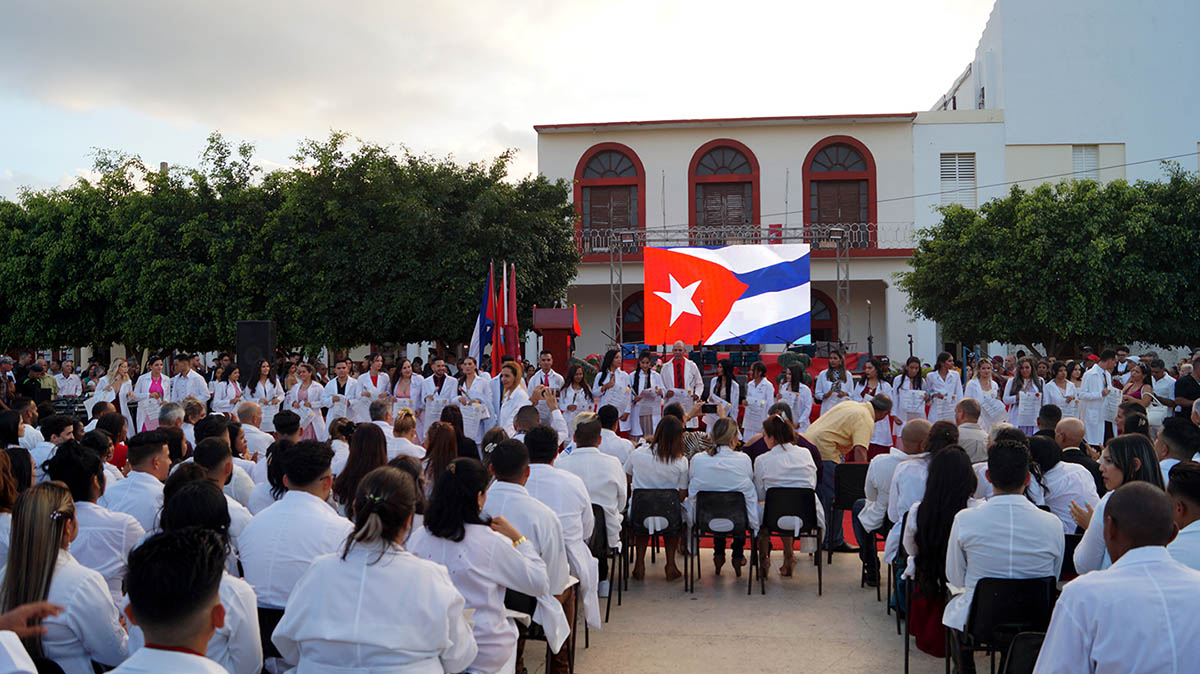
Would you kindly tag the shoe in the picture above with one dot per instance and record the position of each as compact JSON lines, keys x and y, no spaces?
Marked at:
{"x":738,"y":563}
{"x":718,"y":562}
{"x":872,"y":579}
{"x":673,"y":573}
{"x":845,"y":547}
{"x":602,"y":589}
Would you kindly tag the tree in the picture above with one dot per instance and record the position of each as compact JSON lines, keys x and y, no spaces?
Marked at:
{"x":1065,"y":265}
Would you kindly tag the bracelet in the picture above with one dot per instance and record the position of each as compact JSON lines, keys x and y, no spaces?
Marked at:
{"x":519,"y":541}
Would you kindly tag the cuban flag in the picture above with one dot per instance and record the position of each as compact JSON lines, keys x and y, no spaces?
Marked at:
{"x":481,"y":335}
{"x":727,"y":295}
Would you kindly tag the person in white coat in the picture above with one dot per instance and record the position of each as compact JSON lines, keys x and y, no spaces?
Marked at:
{"x":265,"y":389}
{"x":760,"y":395}
{"x":682,"y":380}
{"x":228,"y":393}
{"x":908,"y":405}
{"x":723,"y":390}
{"x":544,"y":376}
{"x":722,"y":469}
{"x":1126,"y":458}
{"x":660,"y":465}
{"x":872,"y":385}
{"x":187,"y":383}
{"x":575,"y":397}
{"x":798,"y":396}
{"x":1023,"y":384}
{"x":646,"y":391}
{"x":611,"y":387}
{"x":406,"y":390}
{"x":1065,"y":483}
{"x":833,"y":385}
{"x":784,"y":465}
{"x":982,"y":388}
{"x":41,"y":569}
{"x":474,"y":393}
{"x":373,"y":385}
{"x":117,"y":388}
{"x":484,"y":558}
{"x":437,"y":391}
{"x":332,"y":620}
{"x":341,"y":395}
{"x":945,"y":388}
{"x":512,"y":396}
{"x":153,"y":388}
{"x":177,"y":601}
{"x":1061,"y":391}
{"x":140,"y":493}
{"x":1093,"y":396}
{"x":305,"y":400}
{"x":236,"y":644}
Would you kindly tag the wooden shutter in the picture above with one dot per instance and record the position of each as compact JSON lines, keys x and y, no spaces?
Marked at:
{"x":1085,"y":162}
{"x":958,"y":178}
{"x":609,"y":207}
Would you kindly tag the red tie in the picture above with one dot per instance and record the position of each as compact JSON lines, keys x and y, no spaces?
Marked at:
{"x":678,"y":373}
{"x":546,"y":379}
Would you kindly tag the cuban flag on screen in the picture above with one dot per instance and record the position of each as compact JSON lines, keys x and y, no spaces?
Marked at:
{"x":481,"y":335}
{"x":727,"y":295}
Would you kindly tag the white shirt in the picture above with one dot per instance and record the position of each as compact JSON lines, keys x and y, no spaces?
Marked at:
{"x":32,"y":438}
{"x":260,"y":498}
{"x":650,"y":473}
{"x":1092,"y":403}
{"x":1163,"y":388}
{"x":374,"y":391}
{"x":974,"y":440}
{"x":235,"y":648}
{"x":282,"y":541}
{"x":156,"y":661}
{"x":1092,"y":554}
{"x":604,"y":477}
{"x":568,"y":497}
{"x":786,"y":465}
{"x":942,"y":409}
{"x":70,"y":385}
{"x":333,"y":621}
{"x":904,"y":383}
{"x":139,"y":494}
{"x":405,"y":447}
{"x":257,"y":442}
{"x":1138,"y":616}
{"x":802,"y":405}
{"x":104,"y":541}
{"x":907,"y":487}
{"x":240,"y":483}
{"x":883,"y":427}
{"x":342,"y":407}
{"x":14,"y":659}
{"x":88,"y":628}
{"x":41,"y":453}
{"x":341,"y":454}
{"x":974,"y":390}
{"x":1067,"y":482}
{"x":1053,"y":395}
{"x":481,"y":566}
{"x":549,"y":379}
{"x":1007,"y":537}
{"x":822,"y":385}
{"x":190,"y":384}
{"x":692,"y":383}
{"x":5,"y":535}
{"x":510,"y":403}
{"x":615,"y":446}
{"x":536,"y":521}
{"x":726,"y":470}
{"x":1185,"y":549}
{"x":877,"y":486}
{"x":239,"y":518}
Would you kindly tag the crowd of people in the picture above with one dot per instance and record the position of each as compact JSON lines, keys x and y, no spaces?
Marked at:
{"x":248,"y":521}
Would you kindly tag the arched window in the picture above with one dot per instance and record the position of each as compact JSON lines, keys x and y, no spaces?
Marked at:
{"x":839,"y":188}
{"x":823,"y":318}
{"x":609,"y":184}
{"x":633,"y":319}
{"x":723,"y":187}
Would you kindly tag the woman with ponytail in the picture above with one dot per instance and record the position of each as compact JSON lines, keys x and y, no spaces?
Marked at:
{"x":334,"y":619}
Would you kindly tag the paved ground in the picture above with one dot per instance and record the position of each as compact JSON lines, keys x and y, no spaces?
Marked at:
{"x":790,"y":629}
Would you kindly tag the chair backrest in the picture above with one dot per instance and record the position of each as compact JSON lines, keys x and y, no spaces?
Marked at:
{"x":849,"y":484}
{"x":661,"y":504}
{"x":47,"y":666}
{"x":1003,"y":607}
{"x":798,"y":502}
{"x":598,"y":545}
{"x":721,"y":512}
{"x":1068,"y":566}
{"x":519,"y":602}
{"x":1023,"y":653}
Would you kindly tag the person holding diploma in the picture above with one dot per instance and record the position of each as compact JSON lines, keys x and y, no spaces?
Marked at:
{"x":547,"y":377}
{"x":512,"y":395}
{"x":873,"y":385}
{"x":833,"y":384}
{"x":798,"y":397}
{"x":116,"y":387}
{"x":982,"y":388}
{"x":340,"y":391}
{"x":437,"y":391}
{"x":407,"y":389}
{"x":681,"y":379}
{"x":305,"y":400}
{"x":265,"y":389}
{"x":575,"y":396}
{"x":374,"y":385}
{"x":945,"y":388}
{"x":722,"y":390}
{"x":647,"y":388}
{"x":611,"y":386}
{"x":151,"y":391}
{"x":760,"y":394}
{"x":474,"y":389}
{"x":228,"y":393}
{"x":911,"y":379}
{"x":1023,"y":381}
{"x":1061,"y":391}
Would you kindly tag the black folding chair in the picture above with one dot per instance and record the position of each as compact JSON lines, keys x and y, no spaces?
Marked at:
{"x":523,"y":603}
{"x":1023,"y":653}
{"x":720,"y":514}
{"x":849,"y":485}
{"x":1002,"y":608}
{"x":610,"y":557}
{"x":656,"y":512}
{"x":268,"y":619}
{"x":1068,"y":571}
{"x":46,"y":666}
{"x":898,"y":564}
{"x":791,"y":502}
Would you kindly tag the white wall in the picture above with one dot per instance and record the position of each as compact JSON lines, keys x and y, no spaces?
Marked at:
{"x":977,"y":131}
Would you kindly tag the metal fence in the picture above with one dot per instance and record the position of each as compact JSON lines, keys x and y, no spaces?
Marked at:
{"x":854,"y":236}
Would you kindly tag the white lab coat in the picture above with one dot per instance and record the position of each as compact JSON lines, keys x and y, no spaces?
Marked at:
{"x":716,"y":396}
{"x":480,"y":391}
{"x":974,"y":391}
{"x":877,"y":487}
{"x":88,"y":628}
{"x":1053,"y":395}
{"x":726,"y":470}
{"x":801,"y":406}
{"x":693,"y":383}
{"x":567,"y":496}
{"x":900,"y":384}
{"x":824,"y":386}
{"x":651,"y":385}
{"x":225,"y":394}
{"x":607,"y":486}
{"x":191,"y":384}
{"x":430,"y":393}
{"x":353,"y":392}
{"x":510,"y":403}
{"x":140,"y":495}
{"x":1091,"y":403}
{"x":620,"y":381}
{"x":374,"y":391}
{"x":539,"y":378}
{"x":1033,"y":386}
{"x":579,"y":398}
{"x":315,"y":393}
{"x":104,"y":541}
{"x":951,"y":387}
{"x":334,"y":620}
{"x":1068,"y":483}
{"x":119,"y":398}
{"x":156,"y":661}
{"x":787,"y":465}
{"x":266,"y":393}
{"x":883,"y":427}
{"x":148,"y":409}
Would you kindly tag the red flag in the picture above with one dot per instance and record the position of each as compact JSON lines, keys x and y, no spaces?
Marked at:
{"x":511,"y":332}
{"x":498,"y":332}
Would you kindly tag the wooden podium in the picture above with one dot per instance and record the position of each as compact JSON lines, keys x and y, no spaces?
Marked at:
{"x":558,"y":329}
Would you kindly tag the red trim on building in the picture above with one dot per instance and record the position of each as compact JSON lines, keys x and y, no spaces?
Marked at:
{"x":868,"y":175}
{"x":898,"y":116}
{"x":639,"y":182}
{"x":752,"y":178}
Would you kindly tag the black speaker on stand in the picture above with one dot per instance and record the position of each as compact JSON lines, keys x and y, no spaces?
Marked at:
{"x":255,"y":340}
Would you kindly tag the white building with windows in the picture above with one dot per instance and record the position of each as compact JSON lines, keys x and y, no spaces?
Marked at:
{"x":1100,"y":90}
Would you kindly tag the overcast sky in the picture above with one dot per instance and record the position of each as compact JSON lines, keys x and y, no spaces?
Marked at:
{"x":461,"y":78}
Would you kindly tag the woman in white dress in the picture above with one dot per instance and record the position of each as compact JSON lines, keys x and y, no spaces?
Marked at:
{"x":228,"y":394}
{"x":911,"y":379}
{"x":151,"y":390}
{"x":798,"y":396}
{"x":647,"y":390}
{"x":117,"y":388}
{"x":41,"y":569}
{"x":305,"y":400}
{"x":760,"y":394}
{"x":872,"y":385}
{"x":833,"y":385}
{"x":1060,"y":391}
{"x":945,"y":388}
{"x":723,"y":390}
{"x":374,"y":385}
{"x":575,"y":396}
{"x":663,"y":465}
{"x":264,"y":388}
{"x":983,"y":386}
{"x":474,"y":389}
{"x":484,"y":559}
{"x":1023,"y":381}
{"x":512,"y":395}
{"x":611,"y":387}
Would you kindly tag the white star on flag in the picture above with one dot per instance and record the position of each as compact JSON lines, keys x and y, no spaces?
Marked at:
{"x":680,"y":299}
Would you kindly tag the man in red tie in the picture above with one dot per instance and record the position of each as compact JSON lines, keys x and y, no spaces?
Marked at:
{"x":681,"y":377}
{"x":544,"y":377}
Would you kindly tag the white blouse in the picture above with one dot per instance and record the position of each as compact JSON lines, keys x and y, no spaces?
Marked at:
{"x":650,"y":473}
{"x":89,"y":627}
{"x":824,"y":386}
{"x":1067,"y":401}
{"x":883,"y":427}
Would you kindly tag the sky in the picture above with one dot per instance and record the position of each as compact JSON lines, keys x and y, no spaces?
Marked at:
{"x":466,"y":79}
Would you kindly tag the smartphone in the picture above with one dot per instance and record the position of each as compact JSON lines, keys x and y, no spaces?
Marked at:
{"x":708,"y":408}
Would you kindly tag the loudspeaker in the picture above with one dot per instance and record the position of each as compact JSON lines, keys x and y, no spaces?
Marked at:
{"x":255,"y":340}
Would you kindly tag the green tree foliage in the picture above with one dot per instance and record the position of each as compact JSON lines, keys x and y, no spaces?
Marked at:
{"x":352,"y":245}
{"x":1065,"y":265}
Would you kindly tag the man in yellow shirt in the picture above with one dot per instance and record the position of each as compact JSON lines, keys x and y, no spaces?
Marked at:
{"x":845,"y":429}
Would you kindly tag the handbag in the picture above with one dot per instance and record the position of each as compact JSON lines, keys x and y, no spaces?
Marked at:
{"x":1157,"y":412}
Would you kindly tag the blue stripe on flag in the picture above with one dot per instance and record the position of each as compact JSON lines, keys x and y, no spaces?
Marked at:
{"x":793,"y":329}
{"x":776,"y":277}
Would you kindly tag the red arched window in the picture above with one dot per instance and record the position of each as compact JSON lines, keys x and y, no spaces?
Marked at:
{"x":633,"y":318}
{"x":823,"y":317}
{"x":839,"y":188}
{"x":609,"y":187}
{"x":723,"y":190}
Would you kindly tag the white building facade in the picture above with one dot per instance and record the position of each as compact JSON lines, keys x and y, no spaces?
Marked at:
{"x":1097,"y":90}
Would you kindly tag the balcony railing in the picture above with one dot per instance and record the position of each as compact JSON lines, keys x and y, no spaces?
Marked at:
{"x":865,"y":237}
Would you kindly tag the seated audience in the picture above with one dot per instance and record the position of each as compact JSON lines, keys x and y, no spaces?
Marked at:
{"x":603,"y":476}
{"x":870,"y":513}
{"x":784,"y":465}
{"x":724,"y":469}
{"x":1184,"y":488}
{"x":611,"y":443}
{"x":140,"y":493}
{"x":971,"y":436}
{"x":1065,"y":483}
{"x":1178,"y":440}
{"x":1125,"y":459}
{"x":1069,"y":434}
{"x":908,"y":480}
{"x":661,"y":465}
